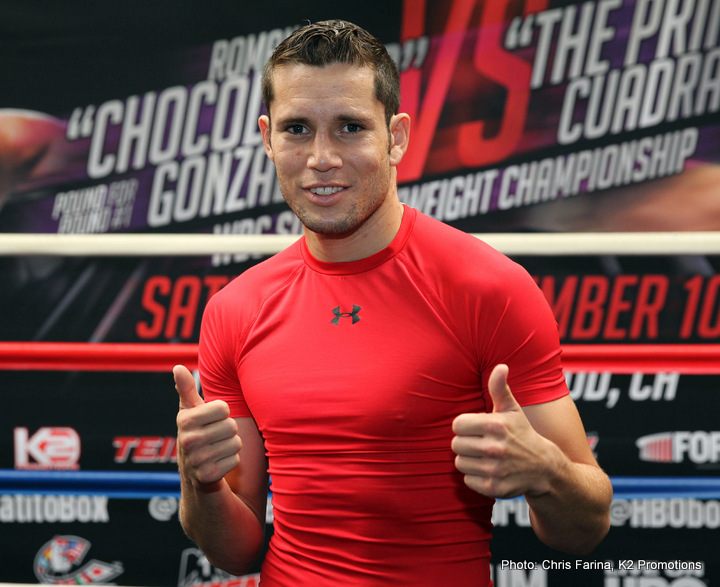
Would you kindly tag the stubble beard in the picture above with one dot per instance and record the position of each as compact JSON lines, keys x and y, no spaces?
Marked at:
{"x":358,"y":213}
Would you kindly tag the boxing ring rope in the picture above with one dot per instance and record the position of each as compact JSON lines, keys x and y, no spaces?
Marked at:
{"x":148,"y":357}
{"x":690,"y":359}
{"x":144,"y":485}
{"x":536,"y":244}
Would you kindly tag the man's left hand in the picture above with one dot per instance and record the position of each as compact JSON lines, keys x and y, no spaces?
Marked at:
{"x":499,"y":452}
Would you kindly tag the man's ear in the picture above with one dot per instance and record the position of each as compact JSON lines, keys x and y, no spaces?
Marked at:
{"x":264,"y":125}
{"x":400,"y":137}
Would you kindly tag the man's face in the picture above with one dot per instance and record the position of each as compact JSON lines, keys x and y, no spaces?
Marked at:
{"x":332,"y":149}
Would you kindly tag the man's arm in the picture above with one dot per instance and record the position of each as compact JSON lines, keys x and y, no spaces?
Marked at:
{"x":223,"y":477}
{"x":573,"y":514}
{"x":540,"y":452}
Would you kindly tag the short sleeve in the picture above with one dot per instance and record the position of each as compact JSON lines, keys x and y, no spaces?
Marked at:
{"x":521,"y":332}
{"x":219,"y":337}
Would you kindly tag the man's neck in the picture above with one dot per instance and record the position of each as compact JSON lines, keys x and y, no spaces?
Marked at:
{"x":372,"y":237}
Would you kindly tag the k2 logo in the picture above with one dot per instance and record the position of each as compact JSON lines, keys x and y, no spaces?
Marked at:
{"x":339,"y":314}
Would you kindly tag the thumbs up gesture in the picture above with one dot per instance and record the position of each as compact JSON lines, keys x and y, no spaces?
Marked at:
{"x":208,"y":444}
{"x":499,"y":452}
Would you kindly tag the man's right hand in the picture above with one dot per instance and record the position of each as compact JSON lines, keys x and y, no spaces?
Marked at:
{"x":208,"y":444}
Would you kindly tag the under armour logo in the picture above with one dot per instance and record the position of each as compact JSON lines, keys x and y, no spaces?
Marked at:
{"x":339,"y":314}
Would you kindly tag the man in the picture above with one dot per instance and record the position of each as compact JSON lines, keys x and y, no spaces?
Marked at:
{"x":371,"y":362}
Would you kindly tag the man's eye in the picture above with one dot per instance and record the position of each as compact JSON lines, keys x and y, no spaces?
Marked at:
{"x":296,"y":129}
{"x":352,"y":128}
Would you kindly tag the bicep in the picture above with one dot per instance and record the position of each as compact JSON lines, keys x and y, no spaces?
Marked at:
{"x":559,"y":421}
{"x":249,"y":479}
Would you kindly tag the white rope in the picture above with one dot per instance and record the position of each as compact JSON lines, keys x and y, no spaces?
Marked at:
{"x":109,"y":245}
{"x":537,"y":244}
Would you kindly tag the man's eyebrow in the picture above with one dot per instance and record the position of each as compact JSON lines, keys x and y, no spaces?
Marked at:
{"x":345,"y":117}
{"x":290,"y":120}
{"x":353,"y":117}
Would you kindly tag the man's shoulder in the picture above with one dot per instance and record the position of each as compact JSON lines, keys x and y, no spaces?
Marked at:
{"x":444,"y":248}
{"x":260,"y":280}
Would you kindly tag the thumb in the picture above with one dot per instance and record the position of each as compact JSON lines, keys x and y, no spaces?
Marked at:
{"x":185,"y":386}
{"x":502,"y":398}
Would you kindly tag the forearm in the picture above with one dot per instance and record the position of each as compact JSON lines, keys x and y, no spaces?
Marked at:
{"x":573,"y":514}
{"x":224,"y":527}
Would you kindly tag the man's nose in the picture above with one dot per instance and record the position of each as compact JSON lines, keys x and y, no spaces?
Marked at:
{"x":324,"y":154}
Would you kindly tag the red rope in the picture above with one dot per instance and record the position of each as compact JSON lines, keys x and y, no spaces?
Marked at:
{"x":107,"y":356}
{"x":690,"y":359}
{"x":76,"y":356}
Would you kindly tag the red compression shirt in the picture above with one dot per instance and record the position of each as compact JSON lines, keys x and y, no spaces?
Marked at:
{"x":354,"y":373}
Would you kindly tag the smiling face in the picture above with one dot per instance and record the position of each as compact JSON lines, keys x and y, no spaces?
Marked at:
{"x":334,"y":154}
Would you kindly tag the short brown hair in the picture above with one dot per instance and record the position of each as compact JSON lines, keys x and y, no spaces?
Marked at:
{"x":337,"y":41}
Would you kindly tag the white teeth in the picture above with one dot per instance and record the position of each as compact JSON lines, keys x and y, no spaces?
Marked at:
{"x":325,"y":191}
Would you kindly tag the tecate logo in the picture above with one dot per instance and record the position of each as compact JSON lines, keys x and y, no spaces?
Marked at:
{"x":48,"y":448}
{"x":699,"y":447}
